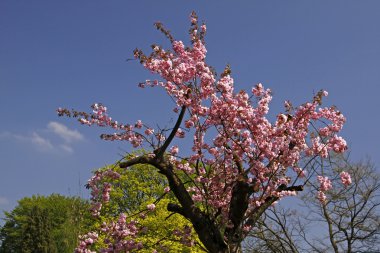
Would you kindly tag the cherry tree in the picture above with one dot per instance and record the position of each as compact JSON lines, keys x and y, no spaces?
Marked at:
{"x":240,"y":162}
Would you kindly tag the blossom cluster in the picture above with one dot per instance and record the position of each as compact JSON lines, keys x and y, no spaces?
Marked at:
{"x":86,"y":241}
{"x":100,"y":189}
{"x":184,"y":236}
{"x":151,"y":207}
{"x":120,"y":235}
{"x":346,"y":178}
{"x":325,"y":184}
{"x":136,"y":133}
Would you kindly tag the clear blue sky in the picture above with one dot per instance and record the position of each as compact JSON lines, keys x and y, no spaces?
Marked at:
{"x":73,"y":53}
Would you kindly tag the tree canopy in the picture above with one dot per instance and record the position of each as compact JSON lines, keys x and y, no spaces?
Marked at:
{"x":40,"y":224}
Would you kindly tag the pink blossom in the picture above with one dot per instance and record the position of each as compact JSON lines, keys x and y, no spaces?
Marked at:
{"x":321,"y":197}
{"x":180,"y":133}
{"x":86,"y":241}
{"x":120,"y":235}
{"x":258,"y":90}
{"x":325,"y":183}
{"x":346,"y":178}
{"x":300,"y":172}
{"x":149,"y":131}
{"x":139,"y":124}
{"x":160,"y":137}
{"x":338,"y":144}
{"x":151,"y":207}
{"x":189,"y":123}
{"x":184,"y":235}
{"x":203,"y":27}
{"x":174,"y":150}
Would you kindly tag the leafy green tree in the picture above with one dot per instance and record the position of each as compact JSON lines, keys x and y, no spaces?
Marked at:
{"x":132,"y":192}
{"x":44,"y":224}
{"x":36,"y":236}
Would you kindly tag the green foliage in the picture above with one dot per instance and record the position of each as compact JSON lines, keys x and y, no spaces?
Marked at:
{"x":36,"y":236}
{"x":51,"y":224}
{"x":137,"y":187}
{"x":42,"y":224}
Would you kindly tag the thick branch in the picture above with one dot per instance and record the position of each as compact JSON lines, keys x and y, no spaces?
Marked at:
{"x":162,"y":149}
{"x":295,"y":188}
{"x":176,"y":209}
{"x":268,"y":202}
{"x":238,"y":206}
{"x":144,"y":159}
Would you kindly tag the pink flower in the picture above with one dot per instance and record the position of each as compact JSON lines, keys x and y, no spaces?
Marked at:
{"x":180,"y":133}
{"x":321,"y":197}
{"x":149,"y":131}
{"x":300,"y":172}
{"x":258,"y":90}
{"x":174,"y":150}
{"x":151,"y":207}
{"x":281,"y":119}
{"x":189,"y":123}
{"x":346,"y":178}
{"x":325,"y":183}
{"x":338,"y":144}
{"x":139,"y":124}
{"x":106,"y":197}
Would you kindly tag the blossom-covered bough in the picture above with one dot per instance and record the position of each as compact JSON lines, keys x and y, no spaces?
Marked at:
{"x":240,"y":162}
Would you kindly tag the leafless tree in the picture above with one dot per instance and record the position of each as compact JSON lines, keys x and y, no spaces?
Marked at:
{"x":349,"y":220}
{"x":275,"y":232}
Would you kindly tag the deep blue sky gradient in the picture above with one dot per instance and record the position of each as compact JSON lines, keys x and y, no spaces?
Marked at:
{"x":73,"y":53}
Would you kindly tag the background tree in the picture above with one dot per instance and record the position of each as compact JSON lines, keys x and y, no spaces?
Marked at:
{"x":240,"y":163}
{"x":275,"y":232}
{"x":45,"y":224}
{"x":349,"y":218}
{"x":36,"y":236}
{"x":352,"y":213}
